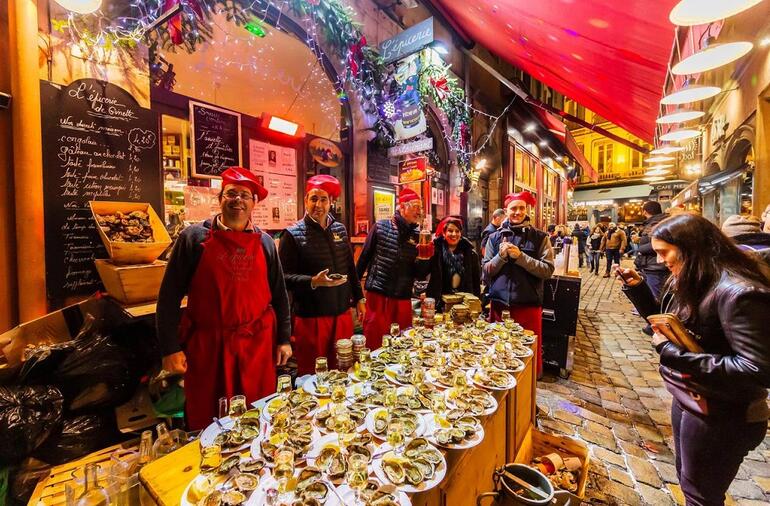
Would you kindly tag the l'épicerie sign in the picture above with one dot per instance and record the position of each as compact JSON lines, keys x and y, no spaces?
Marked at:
{"x":407,"y":42}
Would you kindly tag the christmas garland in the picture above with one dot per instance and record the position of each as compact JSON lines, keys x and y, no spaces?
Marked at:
{"x":329,"y":20}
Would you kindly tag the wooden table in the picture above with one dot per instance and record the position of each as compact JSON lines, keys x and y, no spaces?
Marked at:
{"x":469,"y":472}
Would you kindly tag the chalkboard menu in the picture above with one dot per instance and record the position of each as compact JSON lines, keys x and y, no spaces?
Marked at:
{"x":216,"y":140}
{"x":98,"y":144}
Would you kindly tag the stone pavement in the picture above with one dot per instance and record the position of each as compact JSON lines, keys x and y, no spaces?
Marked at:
{"x":616,"y":402}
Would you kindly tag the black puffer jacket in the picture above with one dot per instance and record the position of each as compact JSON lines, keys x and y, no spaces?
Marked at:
{"x":646,"y":258}
{"x":731,"y":325}
{"x":305,"y":250}
{"x":390,"y":256}
{"x":440,"y":275}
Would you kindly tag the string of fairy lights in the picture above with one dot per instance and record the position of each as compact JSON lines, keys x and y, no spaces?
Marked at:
{"x":359,"y":76}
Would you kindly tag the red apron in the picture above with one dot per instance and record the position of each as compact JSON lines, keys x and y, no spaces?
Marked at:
{"x":315,"y":337}
{"x":529,"y":317}
{"x":381,"y":311}
{"x":228,"y":330}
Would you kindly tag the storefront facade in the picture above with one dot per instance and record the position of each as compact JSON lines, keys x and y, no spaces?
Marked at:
{"x":253,"y":79}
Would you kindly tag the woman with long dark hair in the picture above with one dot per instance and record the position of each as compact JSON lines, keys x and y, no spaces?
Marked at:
{"x":722,"y":295}
{"x":455,"y":267}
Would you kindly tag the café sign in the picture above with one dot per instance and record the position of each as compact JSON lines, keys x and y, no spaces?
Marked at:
{"x":407,"y":42}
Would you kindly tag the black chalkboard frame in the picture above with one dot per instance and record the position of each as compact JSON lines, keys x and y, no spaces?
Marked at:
{"x":193,"y":136}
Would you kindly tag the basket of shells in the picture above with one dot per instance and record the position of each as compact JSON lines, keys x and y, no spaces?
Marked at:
{"x":131,"y":232}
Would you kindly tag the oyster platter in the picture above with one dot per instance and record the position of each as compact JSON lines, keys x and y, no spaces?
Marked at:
{"x":428,"y":393}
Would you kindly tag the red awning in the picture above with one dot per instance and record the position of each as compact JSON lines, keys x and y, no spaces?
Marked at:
{"x":609,"y":56}
{"x":557,"y":127}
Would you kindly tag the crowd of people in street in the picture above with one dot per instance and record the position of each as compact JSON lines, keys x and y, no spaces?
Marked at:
{"x":253,"y":306}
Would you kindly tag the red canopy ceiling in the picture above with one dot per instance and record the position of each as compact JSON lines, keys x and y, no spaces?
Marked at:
{"x":608,"y":55}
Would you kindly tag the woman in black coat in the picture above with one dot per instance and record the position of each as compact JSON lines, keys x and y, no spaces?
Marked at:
{"x":455,"y":266}
{"x":722,"y":295}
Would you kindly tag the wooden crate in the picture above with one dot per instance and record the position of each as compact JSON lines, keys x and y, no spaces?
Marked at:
{"x":50,"y":490}
{"x":131,"y":284}
{"x":537,"y":444}
{"x":128,"y":253}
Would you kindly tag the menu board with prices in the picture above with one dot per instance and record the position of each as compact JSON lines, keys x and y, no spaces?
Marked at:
{"x":98,"y":144}
{"x":216,"y":140}
{"x":276,"y":169}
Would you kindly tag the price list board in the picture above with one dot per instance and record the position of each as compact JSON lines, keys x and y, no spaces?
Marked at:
{"x":98,"y":144}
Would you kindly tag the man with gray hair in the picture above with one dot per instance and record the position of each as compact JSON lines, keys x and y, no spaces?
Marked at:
{"x":497,"y":218}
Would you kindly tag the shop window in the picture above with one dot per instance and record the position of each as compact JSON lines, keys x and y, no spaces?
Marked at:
{"x":604,"y":161}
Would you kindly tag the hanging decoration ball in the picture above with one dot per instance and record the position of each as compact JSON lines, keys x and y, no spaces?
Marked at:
{"x":389,"y":109}
{"x":80,"y":6}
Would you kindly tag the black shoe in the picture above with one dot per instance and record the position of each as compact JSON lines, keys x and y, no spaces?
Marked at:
{"x":648,"y":330}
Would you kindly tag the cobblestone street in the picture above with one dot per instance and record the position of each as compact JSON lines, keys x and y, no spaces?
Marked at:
{"x":616,"y":401}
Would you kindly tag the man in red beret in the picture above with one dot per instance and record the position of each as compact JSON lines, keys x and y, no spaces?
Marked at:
{"x":390,"y":256}
{"x":319,"y":270}
{"x":237,"y":325}
{"x":517,"y":260}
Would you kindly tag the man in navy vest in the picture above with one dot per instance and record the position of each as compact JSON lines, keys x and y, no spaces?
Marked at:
{"x":321,"y":276}
{"x":390,"y":256}
{"x":517,"y":260}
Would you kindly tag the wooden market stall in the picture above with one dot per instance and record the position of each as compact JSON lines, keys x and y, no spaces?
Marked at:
{"x":509,"y":435}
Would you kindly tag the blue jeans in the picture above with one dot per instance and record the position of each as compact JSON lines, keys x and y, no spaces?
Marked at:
{"x":655,"y":280}
{"x":593,"y":261}
{"x":613,"y":257}
{"x":709,"y":452}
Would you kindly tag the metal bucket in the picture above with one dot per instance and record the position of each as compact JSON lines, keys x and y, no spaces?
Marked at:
{"x":505,"y":495}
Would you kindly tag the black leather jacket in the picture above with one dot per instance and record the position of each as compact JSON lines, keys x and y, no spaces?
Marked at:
{"x":732,"y":325}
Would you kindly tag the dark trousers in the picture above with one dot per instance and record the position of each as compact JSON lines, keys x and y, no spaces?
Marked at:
{"x":581,"y":258}
{"x":655,"y":280}
{"x":613,"y":257}
{"x":709,"y":452}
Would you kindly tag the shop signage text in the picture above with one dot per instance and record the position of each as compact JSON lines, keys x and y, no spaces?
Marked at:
{"x":408,"y":41}
{"x":411,"y":147}
{"x":413,"y":170}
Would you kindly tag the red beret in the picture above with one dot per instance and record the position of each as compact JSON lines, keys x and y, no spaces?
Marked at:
{"x":527,"y":197}
{"x":407,"y":195}
{"x":454,"y":220}
{"x":324,"y":182}
{"x":244,"y":177}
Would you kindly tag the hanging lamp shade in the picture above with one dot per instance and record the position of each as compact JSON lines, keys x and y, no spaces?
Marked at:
{"x":659,"y":159}
{"x":699,"y":12}
{"x":680,"y":135}
{"x":679,"y":117}
{"x":711,"y":58}
{"x":666,"y":150}
{"x":690,"y":94}
{"x":660,"y":167}
{"x":653,"y":179}
{"x":657,"y":172}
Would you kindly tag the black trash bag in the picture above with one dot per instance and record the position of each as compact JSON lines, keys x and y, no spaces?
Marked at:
{"x":79,"y":436}
{"x":41,"y":361}
{"x":28,"y":414}
{"x":97,"y":373}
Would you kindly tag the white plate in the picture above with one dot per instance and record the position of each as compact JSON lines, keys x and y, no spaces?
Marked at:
{"x":369,"y":423}
{"x":268,"y":418}
{"x":477,"y":438}
{"x":439,"y":384}
{"x":213,"y":430}
{"x":510,"y":386}
{"x":327,"y":440}
{"x":511,"y":371}
{"x":348,"y":495}
{"x":409,"y":489}
{"x":527,"y":353}
{"x":324,"y":430}
{"x":259,"y":497}
{"x":256,"y":450}
{"x":185,"y":501}
{"x":450,"y":403}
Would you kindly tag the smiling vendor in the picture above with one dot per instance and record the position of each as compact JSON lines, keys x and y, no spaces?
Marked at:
{"x":237,"y":325}
{"x":320,"y":273}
